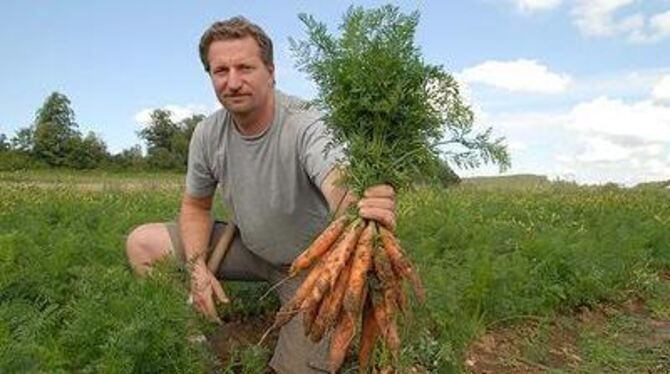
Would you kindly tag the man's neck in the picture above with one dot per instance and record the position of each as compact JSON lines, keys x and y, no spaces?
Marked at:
{"x":254,"y":123}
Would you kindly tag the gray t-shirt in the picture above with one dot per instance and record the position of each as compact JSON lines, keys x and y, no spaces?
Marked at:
{"x":271,"y":182}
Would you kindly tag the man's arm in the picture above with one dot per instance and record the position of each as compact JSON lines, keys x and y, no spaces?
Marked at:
{"x":338,"y":197}
{"x":378,"y":202}
{"x":195,"y":223}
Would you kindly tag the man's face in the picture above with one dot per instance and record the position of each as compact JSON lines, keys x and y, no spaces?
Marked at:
{"x":242,"y":82}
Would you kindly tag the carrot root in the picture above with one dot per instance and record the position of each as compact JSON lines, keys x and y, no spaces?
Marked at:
{"x":342,"y":338}
{"x":330,"y":306}
{"x":369,"y":334}
{"x":319,"y":246}
{"x":401,"y":264}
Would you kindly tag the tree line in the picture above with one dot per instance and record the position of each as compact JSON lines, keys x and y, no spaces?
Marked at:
{"x":54,"y":140}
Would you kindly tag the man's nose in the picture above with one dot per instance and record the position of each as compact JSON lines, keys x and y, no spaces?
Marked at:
{"x":234,"y":81}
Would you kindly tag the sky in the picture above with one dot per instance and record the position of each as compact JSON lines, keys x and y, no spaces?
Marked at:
{"x":580,"y":89}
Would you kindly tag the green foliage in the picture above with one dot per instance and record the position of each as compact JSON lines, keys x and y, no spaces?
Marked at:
{"x":390,"y":108}
{"x":129,"y":158}
{"x":247,"y":360}
{"x":68,"y":301}
{"x":87,"y":152}
{"x":14,"y":160}
{"x":497,"y":254}
{"x":55,"y":130}
{"x":167,"y":141}
{"x":23,"y":140}
{"x":4,"y":144}
{"x":54,"y":139}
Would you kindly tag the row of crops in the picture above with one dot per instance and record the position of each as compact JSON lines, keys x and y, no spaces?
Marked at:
{"x":68,"y":301}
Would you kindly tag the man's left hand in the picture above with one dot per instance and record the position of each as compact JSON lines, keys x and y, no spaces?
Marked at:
{"x":378,"y":203}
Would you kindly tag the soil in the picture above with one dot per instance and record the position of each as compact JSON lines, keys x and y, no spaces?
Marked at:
{"x":241,"y":333}
{"x":506,"y":349}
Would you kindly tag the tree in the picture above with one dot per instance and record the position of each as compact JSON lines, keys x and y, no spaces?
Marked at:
{"x":182,"y":139}
{"x":167,"y":141}
{"x":24,"y":140}
{"x":4,"y":144}
{"x":86,"y":153}
{"x":130,"y":158}
{"x":159,"y":131}
{"x":55,"y":130}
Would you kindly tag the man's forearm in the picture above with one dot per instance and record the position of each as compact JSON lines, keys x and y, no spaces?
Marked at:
{"x":338,"y":197}
{"x":195,"y":222}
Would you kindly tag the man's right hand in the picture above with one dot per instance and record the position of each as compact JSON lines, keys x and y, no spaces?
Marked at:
{"x":204,"y":289}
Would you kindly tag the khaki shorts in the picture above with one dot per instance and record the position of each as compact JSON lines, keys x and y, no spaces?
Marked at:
{"x":295,"y":353}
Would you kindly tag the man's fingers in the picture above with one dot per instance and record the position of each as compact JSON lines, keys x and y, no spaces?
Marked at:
{"x":219,"y":292}
{"x":210,"y":310}
{"x":383,"y":216}
{"x":380,"y":190}
{"x":205,"y":304}
{"x":377,"y":202}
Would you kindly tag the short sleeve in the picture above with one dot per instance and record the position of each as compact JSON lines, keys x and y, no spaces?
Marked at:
{"x":200,"y":179}
{"x":318,"y":153}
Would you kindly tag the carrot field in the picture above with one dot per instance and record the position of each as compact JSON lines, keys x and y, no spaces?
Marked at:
{"x":520,"y":277}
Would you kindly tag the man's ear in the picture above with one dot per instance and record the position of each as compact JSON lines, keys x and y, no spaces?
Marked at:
{"x":271,"y":69}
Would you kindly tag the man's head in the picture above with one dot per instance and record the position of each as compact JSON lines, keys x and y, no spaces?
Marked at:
{"x":238,"y":56}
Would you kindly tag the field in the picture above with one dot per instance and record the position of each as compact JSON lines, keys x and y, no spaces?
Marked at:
{"x":543,"y":277}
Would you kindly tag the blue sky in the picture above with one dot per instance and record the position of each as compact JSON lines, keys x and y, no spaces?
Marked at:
{"x":580,"y":88}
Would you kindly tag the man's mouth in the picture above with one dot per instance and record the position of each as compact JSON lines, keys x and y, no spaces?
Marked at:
{"x":236,"y":96}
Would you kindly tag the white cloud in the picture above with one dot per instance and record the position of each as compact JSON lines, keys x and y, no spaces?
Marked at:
{"x":596,"y":17}
{"x":660,"y":24}
{"x":618,"y":141}
{"x":621,"y":138}
{"x":517,"y":146}
{"x":601,"y":149}
{"x":517,"y":76}
{"x":604,"y":18}
{"x":178,"y":112}
{"x":536,"y":5}
{"x":658,"y":28}
{"x":641,"y":121}
{"x":661,"y":91}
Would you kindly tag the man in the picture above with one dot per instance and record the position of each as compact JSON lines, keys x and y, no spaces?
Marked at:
{"x":268,"y":153}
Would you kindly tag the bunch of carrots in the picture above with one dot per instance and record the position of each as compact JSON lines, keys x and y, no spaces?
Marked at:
{"x":391,"y":111}
{"x":357,"y":269}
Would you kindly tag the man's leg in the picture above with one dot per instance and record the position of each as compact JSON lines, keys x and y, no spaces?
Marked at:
{"x":146,"y":245}
{"x":295,"y":352}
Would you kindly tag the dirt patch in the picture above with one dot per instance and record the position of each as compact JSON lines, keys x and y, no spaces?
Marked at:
{"x":539,"y":346}
{"x":505,"y":350}
{"x":240,"y":333}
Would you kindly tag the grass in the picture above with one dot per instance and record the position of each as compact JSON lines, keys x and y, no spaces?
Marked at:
{"x":491,"y":257}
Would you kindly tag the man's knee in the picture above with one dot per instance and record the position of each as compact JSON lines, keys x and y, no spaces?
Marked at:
{"x":147,"y":244}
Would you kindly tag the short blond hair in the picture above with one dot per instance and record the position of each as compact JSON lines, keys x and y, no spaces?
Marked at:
{"x":236,"y":28}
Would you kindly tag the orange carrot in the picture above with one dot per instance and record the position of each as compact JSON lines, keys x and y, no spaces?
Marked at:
{"x":369,"y":333}
{"x":331,"y":305}
{"x":400,"y":263}
{"x":338,"y":256}
{"x":291,"y":307}
{"x":309,"y":309}
{"x":385,"y":318}
{"x":319,"y":246}
{"x":362,"y":261}
{"x":342,"y":337}
{"x":400,"y":297}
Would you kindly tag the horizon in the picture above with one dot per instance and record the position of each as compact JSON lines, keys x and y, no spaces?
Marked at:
{"x":579,"y":88}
